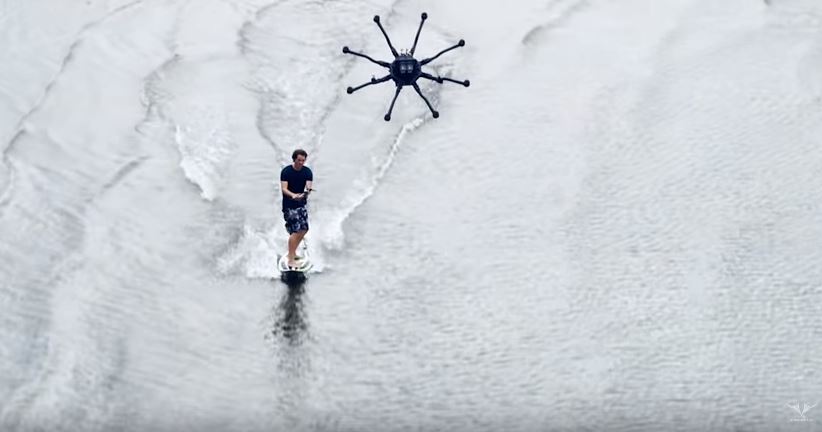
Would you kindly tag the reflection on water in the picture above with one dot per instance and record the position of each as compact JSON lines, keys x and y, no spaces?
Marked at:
{"x":287,"y":334}
{"x":288,"y":331}
{"x":290,"y":323}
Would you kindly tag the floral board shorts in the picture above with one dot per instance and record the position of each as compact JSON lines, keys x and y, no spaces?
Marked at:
{"x":296,"y":219}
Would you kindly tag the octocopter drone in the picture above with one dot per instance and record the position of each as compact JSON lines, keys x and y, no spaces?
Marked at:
{"x":405,"y":69}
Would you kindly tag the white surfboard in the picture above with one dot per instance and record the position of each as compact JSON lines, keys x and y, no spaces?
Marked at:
{"x":304,"y":265}
{"x":299,"y":273}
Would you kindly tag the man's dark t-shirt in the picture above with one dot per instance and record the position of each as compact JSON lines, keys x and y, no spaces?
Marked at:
{"x":296,"y":184}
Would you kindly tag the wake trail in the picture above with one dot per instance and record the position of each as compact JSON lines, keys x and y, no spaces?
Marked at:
{"x":20,"y":127}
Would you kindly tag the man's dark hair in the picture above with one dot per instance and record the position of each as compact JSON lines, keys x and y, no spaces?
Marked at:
{"x":298,"y":152}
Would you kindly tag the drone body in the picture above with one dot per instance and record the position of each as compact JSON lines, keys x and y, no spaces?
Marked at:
{"x":405,"y":69}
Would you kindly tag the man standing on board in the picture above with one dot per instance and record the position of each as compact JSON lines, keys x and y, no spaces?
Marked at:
{"x":295,"y":181}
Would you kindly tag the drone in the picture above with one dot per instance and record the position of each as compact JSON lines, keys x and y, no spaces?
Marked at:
{"x":405,"y":69}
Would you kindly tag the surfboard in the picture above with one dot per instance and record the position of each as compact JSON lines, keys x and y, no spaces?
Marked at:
{"x":304,"y":264}
{"x":294,"y":274}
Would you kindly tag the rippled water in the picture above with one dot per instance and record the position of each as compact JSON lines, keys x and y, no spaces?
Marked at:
{"x":616,"y":227}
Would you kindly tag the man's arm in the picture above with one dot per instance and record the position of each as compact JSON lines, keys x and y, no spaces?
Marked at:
{"x":308,"y":185}
{"x":286,"y":192}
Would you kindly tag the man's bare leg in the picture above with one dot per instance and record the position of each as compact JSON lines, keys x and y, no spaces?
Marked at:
{"x":294,"y":241}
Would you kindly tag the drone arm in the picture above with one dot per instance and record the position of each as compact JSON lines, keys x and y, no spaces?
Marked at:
{"x":417,"y":37}
{"x":393,"y":51}
{"x":391,"y":108}
{"x":350,"y":90}
{"x":431,"y":77}
{"x":441,"y":79}
{"x":433,"y":111}
{"x":465,"y":83}
{"x":429,"y":60}
{"x":381,"y":63}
